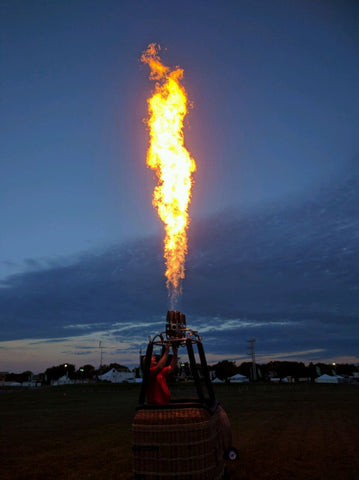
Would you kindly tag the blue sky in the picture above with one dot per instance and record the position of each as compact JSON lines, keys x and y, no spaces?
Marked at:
{"x":274,"y":121}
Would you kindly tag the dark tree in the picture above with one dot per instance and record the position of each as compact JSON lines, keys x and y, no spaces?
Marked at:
{"x":86,"y":372}
{"x":245,"y":369}
{"x":54,"y":373}
{"x":19,"y":377}
{"x":225,"y":369}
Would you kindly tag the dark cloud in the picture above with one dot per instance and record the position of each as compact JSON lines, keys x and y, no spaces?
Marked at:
{"x":8,"y":263}
{"x":84,"y":352}
{"x":286,"y":274}
{"x":48,"y":340}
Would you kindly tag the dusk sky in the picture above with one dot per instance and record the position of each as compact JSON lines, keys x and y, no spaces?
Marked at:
{"x":273,"y":241}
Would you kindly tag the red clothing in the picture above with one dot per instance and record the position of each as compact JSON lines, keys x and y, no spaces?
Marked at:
{"x":158,"y":391}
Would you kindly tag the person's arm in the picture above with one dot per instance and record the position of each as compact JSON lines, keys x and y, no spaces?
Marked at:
{"x":162,"y":362}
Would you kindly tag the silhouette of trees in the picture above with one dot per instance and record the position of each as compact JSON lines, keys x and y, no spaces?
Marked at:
{"x":225,"y":369}
{"x":245,"y":369}
{"x":54,"y":373}
{"x":282,"y":369}
{"x":19,"y":377}
{"x":86,"y":372}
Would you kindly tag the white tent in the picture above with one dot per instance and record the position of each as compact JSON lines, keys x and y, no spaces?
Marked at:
{"x":217,"y":380}
{"x":238,"y":378}
{"x":64,"y":380}
{"x":134,"y":380}
{"x":328,"y":379}
{"x":114,"y":376}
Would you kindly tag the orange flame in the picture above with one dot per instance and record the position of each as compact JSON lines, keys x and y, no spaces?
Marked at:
{"x":172,"y":162}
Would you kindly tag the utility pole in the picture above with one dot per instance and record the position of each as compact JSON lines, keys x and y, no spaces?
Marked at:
{"x":253,"y":355}
{"x":101,"y":348}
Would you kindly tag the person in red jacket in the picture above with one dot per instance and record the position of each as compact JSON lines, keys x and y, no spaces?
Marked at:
{"x":158,"y":391}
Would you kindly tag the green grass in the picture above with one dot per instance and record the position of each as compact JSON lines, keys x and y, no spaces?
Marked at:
{"x":282,"y":432}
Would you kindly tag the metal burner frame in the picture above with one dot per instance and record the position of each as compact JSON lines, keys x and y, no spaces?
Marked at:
{"x":185,"y":338}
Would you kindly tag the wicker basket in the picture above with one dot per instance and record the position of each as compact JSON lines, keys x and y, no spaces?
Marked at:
{"x":180,"y":443}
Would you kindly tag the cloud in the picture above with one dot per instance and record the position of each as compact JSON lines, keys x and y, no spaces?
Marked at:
{"x":49,"y":340}
{"x":8,"y":263}
{"x":217,"y":324}
{"x":32,"y":263}
{"x":85,"y":326}
{"x":297,"y":354}
{"x":286,"y":275}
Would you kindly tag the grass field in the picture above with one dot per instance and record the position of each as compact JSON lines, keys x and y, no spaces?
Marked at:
{"x":283,"y":432}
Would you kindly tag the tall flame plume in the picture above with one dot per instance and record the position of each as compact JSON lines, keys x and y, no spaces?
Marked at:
{"x":172,"y":162}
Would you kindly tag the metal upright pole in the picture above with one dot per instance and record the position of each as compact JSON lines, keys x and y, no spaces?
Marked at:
{"x":100,"y":347}
{"x":202,"y":356}
{"x":146,"y":373}
{"x":194,"y":370}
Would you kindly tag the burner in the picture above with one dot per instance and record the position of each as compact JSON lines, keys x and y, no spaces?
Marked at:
{"x":175,"y":325}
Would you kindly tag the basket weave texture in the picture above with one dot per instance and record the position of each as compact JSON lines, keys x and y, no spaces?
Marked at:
{"x":178,"y":444}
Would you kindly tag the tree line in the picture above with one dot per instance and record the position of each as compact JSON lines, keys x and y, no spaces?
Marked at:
{"x":85,"y":372}
{"x":222,"y":370}
{"x":282,"y":369}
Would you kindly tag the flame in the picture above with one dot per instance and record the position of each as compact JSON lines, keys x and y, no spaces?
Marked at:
{"x":172,"y":162}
